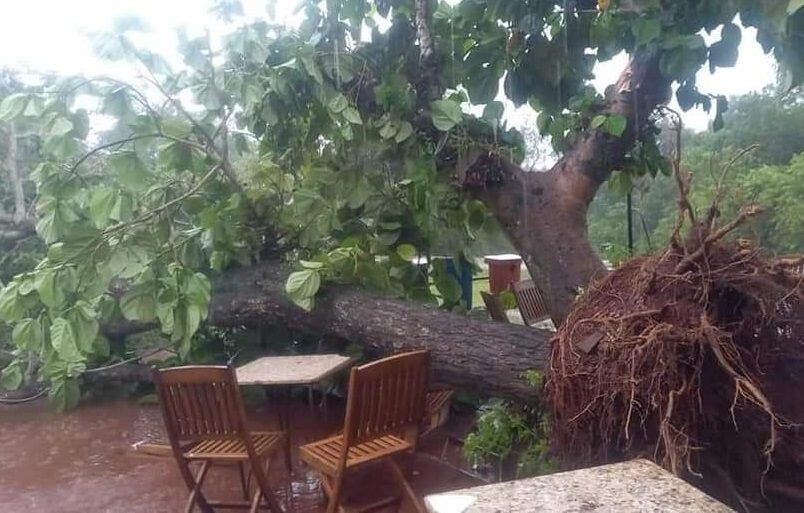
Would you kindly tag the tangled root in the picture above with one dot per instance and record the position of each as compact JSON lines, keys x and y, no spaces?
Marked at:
{"x":694,"y":358}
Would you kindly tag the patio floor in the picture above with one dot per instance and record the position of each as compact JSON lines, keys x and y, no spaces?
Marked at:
{"x":83,"y":461}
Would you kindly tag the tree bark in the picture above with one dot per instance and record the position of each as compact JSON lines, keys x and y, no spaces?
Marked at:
{"x":544,"y":213}
{"x":487,"y":358}
{"x":16,"y":225}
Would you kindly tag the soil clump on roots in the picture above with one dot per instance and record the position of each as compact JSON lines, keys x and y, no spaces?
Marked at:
{"x":692,"y":357}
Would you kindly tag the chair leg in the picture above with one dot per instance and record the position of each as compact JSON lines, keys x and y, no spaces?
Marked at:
{"x":336,"y":489}
{"x":190,"y":481}
{"x":195,"y":493}
{"x":264,"y":488}
{"x":407,"y":489}
{"x":243,"y":482}
{"x":255,"y":501}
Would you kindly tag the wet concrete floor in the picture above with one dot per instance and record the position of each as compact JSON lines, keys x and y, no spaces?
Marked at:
{"x":83,"y":461}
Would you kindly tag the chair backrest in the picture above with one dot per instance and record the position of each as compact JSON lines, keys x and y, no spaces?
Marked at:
{"x":531,"y":302}
{"x":494,"y":306}
{"x":200,"y":402}
{"x":386,"y":396}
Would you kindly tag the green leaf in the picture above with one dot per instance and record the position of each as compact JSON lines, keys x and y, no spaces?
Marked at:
{"x":11,"y":377}
{"x":62,"y":338}
{"x":724,"y":53}
{"x":646,"y":30}
{"x":139,"y":303}
{"x":544,"y":121}
{"x":352,"y":115}
{"x":722,"y":105}
{"x":493,"y":112}
{"x":388,"y":130}
{"x":130,"y":170}
{"x":448,"y":287}
{"x":61,"y":127}
{"x":51,"y":293}
{"x":64,"y":393}
{"x":302,"y":285}
{"x":176,"y":127}
{"x":11,"y":307}
{"x":446,"y":114}
{"x":100,"y":206}
{"x":405,"y":131}
{"x":84,"y":326}
{"x":61,"y":147}
{"x":615,"y":124}
{"x":28,"y":335}
{"x":12,"y":106}
{"x":407,"y":251}
{"x":308,"y":264}
{"x":338,"y":103}
{"x":197,"y":289}
{"x":598,"y":121}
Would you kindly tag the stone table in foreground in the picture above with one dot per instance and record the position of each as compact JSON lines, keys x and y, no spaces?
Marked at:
{"x":632,"y":486}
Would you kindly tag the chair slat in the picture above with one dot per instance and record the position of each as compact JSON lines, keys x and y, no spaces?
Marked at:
{"x":531,"y":302}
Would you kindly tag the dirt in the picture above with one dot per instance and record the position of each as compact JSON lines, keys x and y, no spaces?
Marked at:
{"x":83,"y":460}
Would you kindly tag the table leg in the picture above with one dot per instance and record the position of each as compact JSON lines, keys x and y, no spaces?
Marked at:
{"x":287,"y":427}
{"x":280,"y":397}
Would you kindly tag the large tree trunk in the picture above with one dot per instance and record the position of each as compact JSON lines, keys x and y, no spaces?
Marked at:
{"x":544,"y":213}
{"x":487,"y":358}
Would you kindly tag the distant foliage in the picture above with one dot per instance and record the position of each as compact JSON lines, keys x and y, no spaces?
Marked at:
{"x":770,"y":174}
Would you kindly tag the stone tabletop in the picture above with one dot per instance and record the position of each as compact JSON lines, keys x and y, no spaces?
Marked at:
{"x":632,"y":486}
{"x":291,"y":370}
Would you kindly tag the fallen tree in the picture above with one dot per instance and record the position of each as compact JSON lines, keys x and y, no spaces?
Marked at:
{"x":487,"y":358}
{"x":474,"y":355}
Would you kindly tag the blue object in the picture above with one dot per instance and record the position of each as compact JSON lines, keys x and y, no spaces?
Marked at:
{"x":462,"y":273}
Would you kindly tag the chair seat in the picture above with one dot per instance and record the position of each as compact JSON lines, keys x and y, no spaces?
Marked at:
{"x":323,"y":455}
{"x":234,"y":449}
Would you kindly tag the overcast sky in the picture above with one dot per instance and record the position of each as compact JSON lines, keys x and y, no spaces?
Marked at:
{"x":52,"y":35}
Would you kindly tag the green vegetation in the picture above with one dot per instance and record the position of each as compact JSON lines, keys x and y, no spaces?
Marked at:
{"x":510,"y":439}
{"x":768,"y":128}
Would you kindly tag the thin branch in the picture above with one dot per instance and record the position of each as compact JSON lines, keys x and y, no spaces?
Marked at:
{"x":149,"y":215}
{"x":26,"y":399}
{"x":126,"y":361}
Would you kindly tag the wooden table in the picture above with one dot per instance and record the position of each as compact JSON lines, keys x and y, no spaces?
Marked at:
{"x":284,"y":372}
{"x":631,"y":486}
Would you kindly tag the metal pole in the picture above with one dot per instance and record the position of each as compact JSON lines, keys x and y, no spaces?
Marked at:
{"x":630,"y":224}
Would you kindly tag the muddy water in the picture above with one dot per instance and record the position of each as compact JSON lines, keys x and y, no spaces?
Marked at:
{"x":82,"y":461}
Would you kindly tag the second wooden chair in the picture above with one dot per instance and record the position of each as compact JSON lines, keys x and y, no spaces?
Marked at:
{"x":384,"y":408}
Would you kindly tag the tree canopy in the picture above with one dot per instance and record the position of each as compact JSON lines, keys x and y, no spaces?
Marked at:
{"x":338,"y":144}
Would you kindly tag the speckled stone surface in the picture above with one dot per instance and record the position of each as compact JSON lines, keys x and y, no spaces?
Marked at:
{"x":291,"y":370}
{"x":632,"y":486}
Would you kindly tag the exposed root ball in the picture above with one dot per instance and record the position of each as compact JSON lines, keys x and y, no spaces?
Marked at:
{"x":696,"y":360}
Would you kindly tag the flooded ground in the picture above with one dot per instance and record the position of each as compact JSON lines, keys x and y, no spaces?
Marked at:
{"x":82,"y":461}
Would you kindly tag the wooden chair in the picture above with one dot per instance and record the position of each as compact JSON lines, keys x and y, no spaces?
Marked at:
{"x":494,"y":306}
{"x":205,"y":422}
{"x":530,"y":302}
{"x":384,"y":407}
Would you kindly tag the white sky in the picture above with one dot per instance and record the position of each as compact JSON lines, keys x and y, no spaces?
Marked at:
{"x":51,"y":35}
